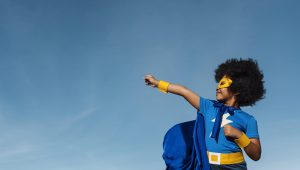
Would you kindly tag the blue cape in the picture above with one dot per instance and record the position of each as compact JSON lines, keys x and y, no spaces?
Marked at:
{"x":184,"y":146}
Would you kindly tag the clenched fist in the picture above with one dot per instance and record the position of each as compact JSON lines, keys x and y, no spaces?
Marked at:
{"x":151,"y":81}
{"x":232,"y":132}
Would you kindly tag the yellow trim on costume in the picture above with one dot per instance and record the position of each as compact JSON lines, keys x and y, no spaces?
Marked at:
{"x":243,"y":141}
{"x":163,"y":86}
{"x":224,"y":82}
{"x":225,"y":158}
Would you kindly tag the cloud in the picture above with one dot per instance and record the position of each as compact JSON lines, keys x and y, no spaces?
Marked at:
{"x":17,"y":145}
{"x":67,"y":123}
{"x":83,"y":115}
{"x":17,"y":150}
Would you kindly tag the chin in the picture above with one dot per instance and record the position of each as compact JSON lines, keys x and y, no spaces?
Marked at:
{"x":220,"y":100}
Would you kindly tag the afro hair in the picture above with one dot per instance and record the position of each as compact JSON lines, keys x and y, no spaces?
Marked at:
{"x":247,"y":80}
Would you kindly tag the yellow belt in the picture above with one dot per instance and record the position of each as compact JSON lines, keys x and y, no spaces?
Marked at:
{"x":225,"y":158}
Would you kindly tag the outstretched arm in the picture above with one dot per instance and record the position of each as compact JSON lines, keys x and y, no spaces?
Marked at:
{"x":189,"y":95}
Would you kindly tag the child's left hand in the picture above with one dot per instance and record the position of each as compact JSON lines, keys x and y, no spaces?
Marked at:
{"x":232,"y":132}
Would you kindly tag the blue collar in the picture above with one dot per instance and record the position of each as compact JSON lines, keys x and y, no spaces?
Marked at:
{"x":222,"y":108}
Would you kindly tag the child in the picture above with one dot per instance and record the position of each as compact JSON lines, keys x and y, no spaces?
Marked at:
{"x":226,"y":128}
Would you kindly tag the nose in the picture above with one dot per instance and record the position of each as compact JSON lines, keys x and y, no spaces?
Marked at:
{"x":218,"y":90}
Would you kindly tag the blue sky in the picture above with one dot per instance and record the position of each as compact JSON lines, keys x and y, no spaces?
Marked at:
{"x":72,"y":93}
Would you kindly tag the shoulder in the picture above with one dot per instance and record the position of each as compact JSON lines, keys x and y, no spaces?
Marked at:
{"x":205,"y":100}
{"x":245,"y":117}
{"x":244,"y":114}
{"x":250,"y":124}
{"x":205,"y":104}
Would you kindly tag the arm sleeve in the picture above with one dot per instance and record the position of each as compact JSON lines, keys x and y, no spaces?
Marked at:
{"x":252,"y":129}
{"x":204,"y":105}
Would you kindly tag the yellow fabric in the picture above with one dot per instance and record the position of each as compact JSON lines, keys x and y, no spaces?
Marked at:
{"x":225,"y":158}
{"x":243,"y":141}
{"x":163,"y":86}
{"x":224,"y":82}
{"x":214,"y":158}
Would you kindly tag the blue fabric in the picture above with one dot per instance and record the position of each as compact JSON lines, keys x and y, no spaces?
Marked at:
{"x":184,"y":146}
{"x":222,"y":109}
{"x":239,"y":166}
{"x":178,"y":146}
{"x":200,"y":145}
{"x":236,"y":118}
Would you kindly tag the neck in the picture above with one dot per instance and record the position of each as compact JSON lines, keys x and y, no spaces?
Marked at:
{"x":231,"y":102}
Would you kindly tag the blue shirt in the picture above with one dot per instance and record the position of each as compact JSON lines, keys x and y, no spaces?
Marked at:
{"x":239,"y":119}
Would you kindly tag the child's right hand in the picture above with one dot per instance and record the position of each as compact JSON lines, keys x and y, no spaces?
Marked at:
{"x":151,"y":81}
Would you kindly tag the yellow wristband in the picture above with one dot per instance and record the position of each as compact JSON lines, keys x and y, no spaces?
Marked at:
{"x":163,"y":86}
{"x":243,"y":141}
